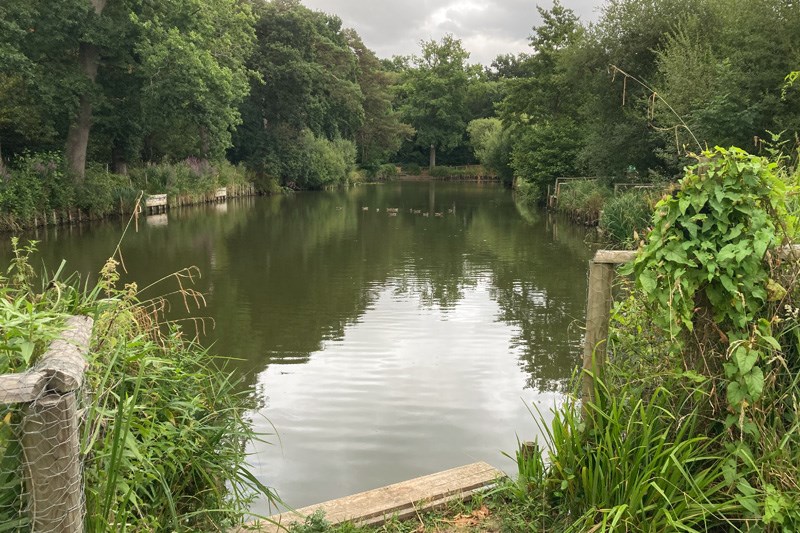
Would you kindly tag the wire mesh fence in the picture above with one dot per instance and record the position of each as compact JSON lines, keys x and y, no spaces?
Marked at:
{"x":41,"y":489}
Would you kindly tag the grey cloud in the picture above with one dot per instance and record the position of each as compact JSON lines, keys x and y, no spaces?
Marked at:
{"x":396,"y":28}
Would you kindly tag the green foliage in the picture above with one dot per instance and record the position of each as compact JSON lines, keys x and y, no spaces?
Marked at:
{"x":37,"y":186}
{"x":713,"y":318}
{"x":629,"y":464}
{"x":625,"y":218}
{"x":381,"y":172}
{"x":482,"y":136}
{"x":382,"y":132}
{"x":583,"y":199}
{"x":498,"y":150}
{"x":545,"y":151}
{"x":163,"y":432}
{"x":314,"y":523}
{"x":412,"y":169}
{"x":166,"y":440}
{"x":100,"y":192}
{"x":441,"y":171}
{"x":37,"y":183}
{"x":710,"y":238}
{"x":322,"y":101}
{"x":433,"y":94}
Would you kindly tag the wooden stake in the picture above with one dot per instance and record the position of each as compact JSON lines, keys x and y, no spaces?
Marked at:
{"x":598,"y":310}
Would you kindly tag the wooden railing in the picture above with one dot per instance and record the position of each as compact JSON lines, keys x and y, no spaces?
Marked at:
{"x":49,"y":430}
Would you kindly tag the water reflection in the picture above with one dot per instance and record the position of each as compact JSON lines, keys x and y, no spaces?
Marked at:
{"x":380,"y":346}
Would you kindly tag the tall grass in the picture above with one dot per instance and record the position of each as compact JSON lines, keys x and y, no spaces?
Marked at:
{"x":632,"y":464}
{"x":582,"y":200}
{"x":625,"y":218}
{"x":164,"y":430}
{"x":37,"y":190}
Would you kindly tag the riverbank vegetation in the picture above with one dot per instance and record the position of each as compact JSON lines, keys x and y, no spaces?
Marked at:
{"x":163,"y":431}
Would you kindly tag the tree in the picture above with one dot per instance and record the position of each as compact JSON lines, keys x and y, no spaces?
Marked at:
{"x":382,"y":132}
{"x":123,"y":71}
{"x":435,"y":91}
{"x":88,"y":61}
{"x":307,"y":83}
{"x":541,"y":109}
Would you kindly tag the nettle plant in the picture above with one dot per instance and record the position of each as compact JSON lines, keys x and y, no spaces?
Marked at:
{"x":707,"y":273}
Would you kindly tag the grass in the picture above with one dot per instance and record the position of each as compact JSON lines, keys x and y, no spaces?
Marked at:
{"x":163,"y":431}
{"x":583,"y":200}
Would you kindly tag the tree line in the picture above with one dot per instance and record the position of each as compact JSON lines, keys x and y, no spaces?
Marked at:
{"x":296,"y":97}
{"x":630,"y":96}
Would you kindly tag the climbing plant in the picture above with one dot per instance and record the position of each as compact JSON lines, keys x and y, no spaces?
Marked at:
{"x":705,"y":269}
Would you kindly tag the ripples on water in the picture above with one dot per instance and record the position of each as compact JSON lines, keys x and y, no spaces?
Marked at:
{"x":379,"y":347}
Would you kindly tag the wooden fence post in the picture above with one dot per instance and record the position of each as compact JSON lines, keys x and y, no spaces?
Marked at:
{"x":598,"y":310}
{"x":53,"y":468}
{"x":50,"y":430}
{"x":598,"y":314}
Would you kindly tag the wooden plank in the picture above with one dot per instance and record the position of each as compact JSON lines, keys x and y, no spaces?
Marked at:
{"x":64,"y":362}
{"x":222,"y":192}
{"x":60,"y":368}
{"x":156,"y":200}
{"x":618,"y":257}
{"x":614,"y":257}
{"x":401,"y":500}
{"x":21,"y":388}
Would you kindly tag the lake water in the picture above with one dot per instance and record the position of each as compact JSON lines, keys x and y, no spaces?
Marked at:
{"x":378,"y":347}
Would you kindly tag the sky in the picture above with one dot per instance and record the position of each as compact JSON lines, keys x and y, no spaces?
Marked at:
{"x":486,"y":28}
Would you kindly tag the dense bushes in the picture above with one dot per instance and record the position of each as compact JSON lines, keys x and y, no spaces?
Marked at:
{"x":36,"y":189}
{"x":628,"y":215}
{"x":412,"y":169}
{"x":583,"y":199}
{"x":383,"y":172}
{"x":35,"y":185}
{"x":193,"y":178}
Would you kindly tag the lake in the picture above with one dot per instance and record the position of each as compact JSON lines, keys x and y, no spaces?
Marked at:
{"x":378,"y":346}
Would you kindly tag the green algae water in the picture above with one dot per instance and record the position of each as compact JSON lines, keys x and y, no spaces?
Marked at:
{"x":378,"y":345}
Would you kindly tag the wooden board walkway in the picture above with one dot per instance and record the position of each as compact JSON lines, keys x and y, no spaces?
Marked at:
{"x":401,"y":500}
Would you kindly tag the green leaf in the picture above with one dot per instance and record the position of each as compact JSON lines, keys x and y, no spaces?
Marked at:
{"x":745,"y":359}
{"x":727,"y":282}
{"x":648,"y":281}
{"x":26,"y":350}
{"x":735,"y":393}
{"x":683,"y":204}
{"x":755,"y":382}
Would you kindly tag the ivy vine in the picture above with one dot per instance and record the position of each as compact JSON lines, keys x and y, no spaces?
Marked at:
{"x":706,"y":255}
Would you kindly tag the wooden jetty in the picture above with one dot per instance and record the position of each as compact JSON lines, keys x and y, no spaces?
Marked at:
{"x":221,"y":194}
{"x":401,"y":500}
{"x":156,"y":203}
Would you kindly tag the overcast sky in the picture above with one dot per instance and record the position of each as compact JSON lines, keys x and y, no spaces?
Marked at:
{"x":487,"y":28}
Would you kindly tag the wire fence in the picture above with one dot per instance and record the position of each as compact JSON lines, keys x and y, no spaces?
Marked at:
{"x":41,"y":488}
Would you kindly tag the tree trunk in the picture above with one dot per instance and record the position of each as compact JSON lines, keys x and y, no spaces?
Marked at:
{"x":118,"y":160}
{"x":2,"y":163}
{"x":433,"y":156}
{"x":78,"y":134}
{"x":205,"y":145}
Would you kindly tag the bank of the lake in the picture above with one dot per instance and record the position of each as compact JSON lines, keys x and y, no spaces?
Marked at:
{"x":37,"y":191}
